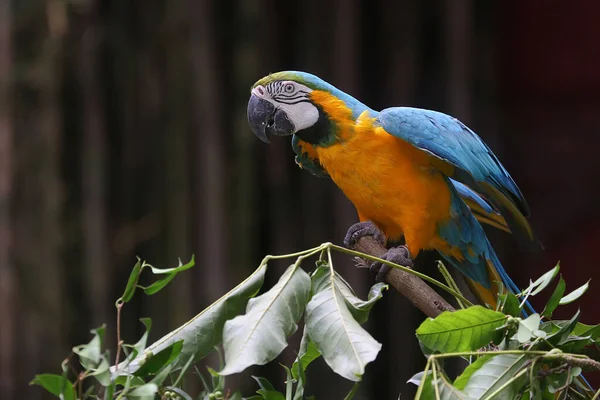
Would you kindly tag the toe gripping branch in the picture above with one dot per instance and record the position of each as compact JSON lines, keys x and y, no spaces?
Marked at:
{"x":366,"y":238}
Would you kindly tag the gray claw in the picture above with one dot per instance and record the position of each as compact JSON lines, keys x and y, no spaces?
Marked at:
{"x":398,"y":255}
{"x":360,"y":230}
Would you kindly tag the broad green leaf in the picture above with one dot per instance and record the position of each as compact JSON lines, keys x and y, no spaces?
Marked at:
{"x":461,"y":330}
{"x":90,"y":354}
{"x":155,"y":362}
{"x":575,"y":294}
{"x":134,"y":276}
{"x":582,"y":329}
{"x":205,"y":331}
{"x":346,"y":347}
{"x":144,"y":392}
{"x":360,"y":308}
{"x":555,"y":298}
{"x":308,"y":353}
{"x":482,"y":378}
{"x":260,"y":335}
{"x":528,"y":327}
{"x":461,"y":381}
{"x":56,"y":384}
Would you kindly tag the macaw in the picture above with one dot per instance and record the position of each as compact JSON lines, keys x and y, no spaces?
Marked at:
{"x":412,"y":174}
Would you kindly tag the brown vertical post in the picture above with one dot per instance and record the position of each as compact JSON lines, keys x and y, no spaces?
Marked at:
{"x":7,"y":278}
{"x":93,"y":174}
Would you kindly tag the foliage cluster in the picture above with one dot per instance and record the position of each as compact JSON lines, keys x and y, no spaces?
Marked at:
{"x":509,"y":355}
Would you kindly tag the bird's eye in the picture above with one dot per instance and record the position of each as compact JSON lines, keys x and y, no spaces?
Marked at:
{"x":289,"y":88}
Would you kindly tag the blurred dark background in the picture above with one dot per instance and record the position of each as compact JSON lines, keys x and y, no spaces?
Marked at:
{"x":123,"y":132}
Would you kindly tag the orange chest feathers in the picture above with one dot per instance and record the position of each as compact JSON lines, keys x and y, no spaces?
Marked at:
{"x":389,"y":181}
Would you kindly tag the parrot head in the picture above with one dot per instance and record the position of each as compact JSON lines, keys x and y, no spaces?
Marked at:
{"x":291,"y":103}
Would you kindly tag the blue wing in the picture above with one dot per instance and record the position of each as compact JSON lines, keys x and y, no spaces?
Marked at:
{"x":462,"y":155}
{"x":481,"y":209}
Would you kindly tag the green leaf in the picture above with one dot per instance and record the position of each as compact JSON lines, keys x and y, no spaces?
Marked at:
{"x":301,"y":378}
{"x":162,"y":375}
{"x":260,"y":335}
{"x":270,"y":395}
{"x":490,"y":373}
{"x":461,"y":381}
{"x":360,"y":308}
{"x":308,"y":353}
{"x":511,"y":305}
{"x":582,"y":329}
{"x":575,"y":294}
{"x":172,"y":272}
{"x":90,"y":354}
{"x":566,"y":327}
{"x":140,"y":346}
{"x":102,"y":372}
{"x":543,"y":281}
{"x":346,"y":347}
{"x":555,"y":298}
{"x":528,"y":327}
{"x":264,"y":383}
{"x":446,"y":390}
{"x":144,"y":392}
{"x":575,"y":344}
{"x":56,"y":384}
{"x":205,"y":331}
{"x":132,"y":282}
{"x":109,"y":391}
{"x":157,"y":361}
{"x":462,"y":330}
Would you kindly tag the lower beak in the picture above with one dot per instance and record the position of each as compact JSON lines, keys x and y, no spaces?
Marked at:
{"x":260,"y":116}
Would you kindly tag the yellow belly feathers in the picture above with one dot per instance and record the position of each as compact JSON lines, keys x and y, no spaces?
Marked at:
{"x":389,"y":181}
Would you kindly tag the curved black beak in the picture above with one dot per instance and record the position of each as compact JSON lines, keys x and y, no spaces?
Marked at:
{"x":265,"y":119}
{"x":260,"y":116}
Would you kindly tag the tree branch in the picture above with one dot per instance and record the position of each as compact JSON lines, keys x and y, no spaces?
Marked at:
{"x":420,"y":294}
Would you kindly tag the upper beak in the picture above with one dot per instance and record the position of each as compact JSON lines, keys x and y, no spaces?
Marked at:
{"x":265,"y":118}
{"x":260,"y":116}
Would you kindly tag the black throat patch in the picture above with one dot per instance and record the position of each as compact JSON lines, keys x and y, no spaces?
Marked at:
{"x":322,"y":133}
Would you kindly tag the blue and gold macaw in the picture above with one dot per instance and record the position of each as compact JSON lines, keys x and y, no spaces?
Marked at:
{"x":414,"y":174}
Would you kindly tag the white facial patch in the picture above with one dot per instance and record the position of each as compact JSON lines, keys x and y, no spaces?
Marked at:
{"x":293,"y":98}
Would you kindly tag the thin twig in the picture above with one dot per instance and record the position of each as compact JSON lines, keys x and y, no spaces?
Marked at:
{"x":419,"y":293}
{"x":119,"y":341}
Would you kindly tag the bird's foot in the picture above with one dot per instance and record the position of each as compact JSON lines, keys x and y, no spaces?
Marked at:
{"x":398,"y":255}
{"x":361,"y":229}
